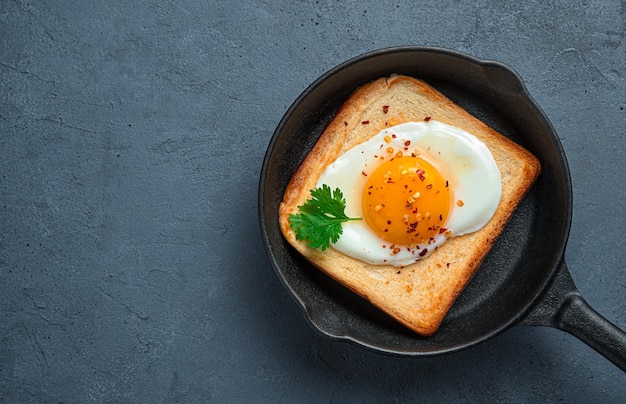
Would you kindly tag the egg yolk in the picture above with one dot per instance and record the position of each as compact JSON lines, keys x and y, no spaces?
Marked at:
{"x":406,"y":201}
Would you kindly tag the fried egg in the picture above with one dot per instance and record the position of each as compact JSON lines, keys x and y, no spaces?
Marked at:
{"x":414,"y":185}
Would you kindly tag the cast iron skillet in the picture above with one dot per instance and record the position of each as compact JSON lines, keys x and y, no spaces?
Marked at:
{"x":523,"y":280}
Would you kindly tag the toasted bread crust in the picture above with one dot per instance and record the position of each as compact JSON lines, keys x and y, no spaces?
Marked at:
{"x":420,"y":295}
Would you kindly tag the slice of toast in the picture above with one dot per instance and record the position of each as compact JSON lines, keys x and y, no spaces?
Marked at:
{"x":419,"y":295}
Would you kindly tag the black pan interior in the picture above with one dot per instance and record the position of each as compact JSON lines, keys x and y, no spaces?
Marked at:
{"x":522,"y":260}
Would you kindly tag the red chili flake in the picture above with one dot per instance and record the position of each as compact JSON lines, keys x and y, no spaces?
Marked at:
{"x":393,"y":135}
{"x":407,"y":143}
{"x":447,"y":265}
{"x":364,"y":173}
{"x":410,"y":230}
{"x":446,"y":183}
{"x":429,"y":186}
{"x":442,"y":230}
{"x":345,"y":123}
{"x":427,"y":119}
{"x":420,"y":174}
{"x":385,"y":108}
{"x":388,"y":221}
{"x":423,"y":252}
{"x":396,"y":250}
{"x":365,"y":122}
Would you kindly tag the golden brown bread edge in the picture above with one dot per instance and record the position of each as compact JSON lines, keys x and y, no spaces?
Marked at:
{"x":418,"y":295}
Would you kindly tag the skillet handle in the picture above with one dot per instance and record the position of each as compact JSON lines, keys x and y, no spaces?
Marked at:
{"x":564,"y":308}
{"x":576,"y":317}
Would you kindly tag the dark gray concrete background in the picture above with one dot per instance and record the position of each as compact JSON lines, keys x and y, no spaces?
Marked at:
{"x":131,"y":140}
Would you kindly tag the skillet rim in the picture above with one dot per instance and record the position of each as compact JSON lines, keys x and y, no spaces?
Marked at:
{"x":561,"y":243}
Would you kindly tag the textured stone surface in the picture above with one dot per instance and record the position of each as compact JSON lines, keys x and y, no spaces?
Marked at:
{"x":131,"y":140}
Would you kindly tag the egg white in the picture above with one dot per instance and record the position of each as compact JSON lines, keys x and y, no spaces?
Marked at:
{"x":466,"y":161}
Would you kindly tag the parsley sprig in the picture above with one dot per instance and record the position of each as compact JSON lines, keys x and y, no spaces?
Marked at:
{"x":320,"y":218}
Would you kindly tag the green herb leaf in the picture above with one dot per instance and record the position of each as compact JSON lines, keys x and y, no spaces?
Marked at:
{"x":320,"y":218}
